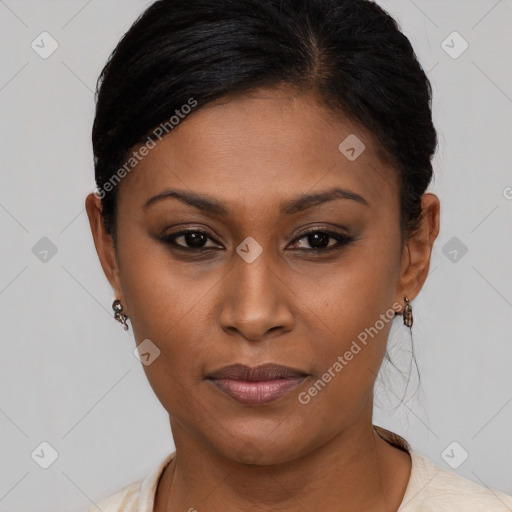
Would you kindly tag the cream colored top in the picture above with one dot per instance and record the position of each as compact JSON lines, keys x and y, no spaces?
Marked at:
{"x":431,"y":488}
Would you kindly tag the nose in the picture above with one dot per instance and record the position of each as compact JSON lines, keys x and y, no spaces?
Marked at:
{"x":255,"y":300}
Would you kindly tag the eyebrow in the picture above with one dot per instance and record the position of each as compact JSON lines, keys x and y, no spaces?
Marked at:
{"x":209,"y":205}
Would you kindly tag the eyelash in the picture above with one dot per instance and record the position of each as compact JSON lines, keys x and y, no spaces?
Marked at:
{"x":342,"y":240}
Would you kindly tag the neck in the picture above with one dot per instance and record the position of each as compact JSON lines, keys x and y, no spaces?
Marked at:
{"x":356,"y":470}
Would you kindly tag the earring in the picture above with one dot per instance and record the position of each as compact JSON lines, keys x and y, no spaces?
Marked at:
{"x":118,"y":314}
{"x":407,"y":313}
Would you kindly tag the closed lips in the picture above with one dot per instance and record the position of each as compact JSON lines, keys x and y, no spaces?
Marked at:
{"x":265,"y":372}
{"x":256,"y":386}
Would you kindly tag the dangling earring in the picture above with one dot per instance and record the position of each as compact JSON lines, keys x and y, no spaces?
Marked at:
{"x":118,"y":314}
{"x":407,"y":313}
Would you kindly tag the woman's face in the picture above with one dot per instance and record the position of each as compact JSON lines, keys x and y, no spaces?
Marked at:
{"x":253,"y":289}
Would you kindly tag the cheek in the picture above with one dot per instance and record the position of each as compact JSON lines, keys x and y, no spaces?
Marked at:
{"x":354,"y":314}
{"x":159,"y":295}
{"x":352,"y":295}
{"x":175,"y":334}
{"x":346,"y":365}
{"x":348,"y":355}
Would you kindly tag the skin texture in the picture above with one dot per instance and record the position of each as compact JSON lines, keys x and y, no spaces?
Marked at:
{"x":302,"y":309}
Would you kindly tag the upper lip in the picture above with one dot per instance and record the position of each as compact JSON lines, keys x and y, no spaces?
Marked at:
{"x":269,"y":371}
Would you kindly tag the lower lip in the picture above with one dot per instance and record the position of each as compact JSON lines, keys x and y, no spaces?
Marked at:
{"x":257,"y":392}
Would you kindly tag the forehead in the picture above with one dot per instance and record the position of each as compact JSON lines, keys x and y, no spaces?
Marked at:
{"x":263,"y":145}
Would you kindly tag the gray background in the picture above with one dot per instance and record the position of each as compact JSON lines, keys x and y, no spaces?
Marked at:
{"x":68,"y":375}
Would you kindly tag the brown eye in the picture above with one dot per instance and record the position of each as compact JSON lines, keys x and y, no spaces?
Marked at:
{"x":318,"y":240}
{"x":193,"y":239}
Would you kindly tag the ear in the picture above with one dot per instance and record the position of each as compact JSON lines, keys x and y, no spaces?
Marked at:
{"x":415,"y":262}
{"x":104,"y":244}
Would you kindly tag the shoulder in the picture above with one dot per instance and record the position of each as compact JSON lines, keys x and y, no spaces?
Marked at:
{"x":124,"y":500}
{"x":137,"y":496}
{"x":435,"y":488}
